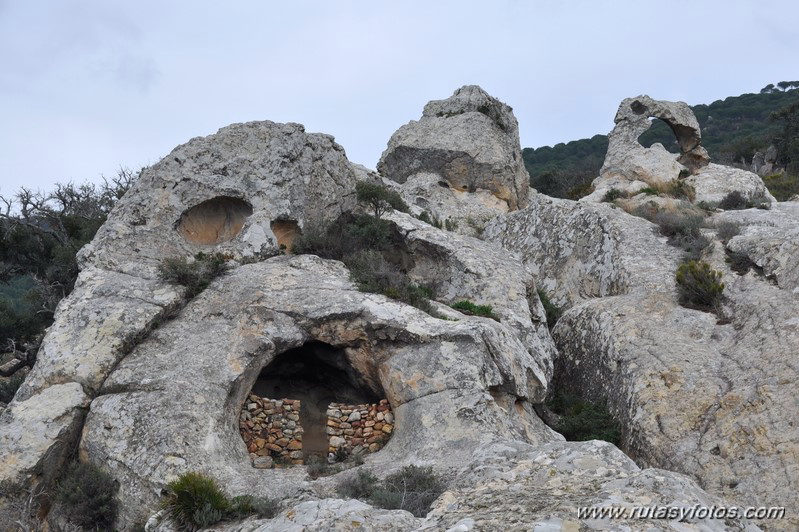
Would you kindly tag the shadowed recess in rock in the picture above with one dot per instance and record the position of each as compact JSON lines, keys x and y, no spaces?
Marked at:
{"x":214,"y":221}
{"x":317,"y":374}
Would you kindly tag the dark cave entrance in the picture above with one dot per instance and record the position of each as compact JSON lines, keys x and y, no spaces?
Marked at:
{"x":317,"y":374}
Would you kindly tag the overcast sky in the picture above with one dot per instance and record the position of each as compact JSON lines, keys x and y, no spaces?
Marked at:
{"x":87,"y":86}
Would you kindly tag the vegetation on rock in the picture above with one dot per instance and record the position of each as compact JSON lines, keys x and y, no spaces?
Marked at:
{"x":195,"y":275}
{"x":552,"y":311}
{"x":379,"y":198}
{"x":581,"y":420}
{"x":195,"y":501}
{"x":87,"y":496}
{"x":467,"y":307}
{"x":699,"y":285}
{"x":412,"y":488}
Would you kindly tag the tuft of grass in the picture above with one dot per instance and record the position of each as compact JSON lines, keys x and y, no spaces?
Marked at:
{"x":195,"y":501}
{"x":683,"y":230}
{"x":740,"y":263}
{"x":87,"y":495}
{"x":412,"y":488}
{"x":581,"y":420}
{"x":727,"y":230}
{"x":195,"y":275}
{"x":699,"y":286}
{"x":552,"y":311}
{"x":467,"y":307}
{"x":649,"y":191}
{"x":734,"y":201}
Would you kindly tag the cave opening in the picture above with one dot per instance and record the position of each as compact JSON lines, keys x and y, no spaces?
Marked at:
{"x":309,"y":401}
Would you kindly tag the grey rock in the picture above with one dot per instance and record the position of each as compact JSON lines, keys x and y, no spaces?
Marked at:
{"x":713,"y":182}
{"x":461,"y":268}
{"x":629,"y":166}
{"x":770,"y":239}
{"x":470,"y":140}
{"x":36,"y":434}
{"x":509,"y":486}
{"x":577,"y":250}
{"x":252,"y":186}
{"x":427,"y":368}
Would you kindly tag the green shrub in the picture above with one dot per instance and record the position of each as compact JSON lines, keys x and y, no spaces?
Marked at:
{"x":87,"y":495}
{"x":649,"y":191}
{"x":699,"y":285}
{"x":412,"y":488}
{"x":245,"y":505}
{"x":580,"y":420}
{"x":782,"y":186}
{"x":684,"y":231}
{"x":734,"y":201}
{"x":680,"y":189}
{"x":467,"y":307}
{"x":195,"y":501}
{"x":195,"y":275}
{"x":726,"y":230}
{"x":613,"y":194}
{"x":9,"y":386}
{"x":379,"y":198}
{"x":361,"y":486}
{"x":553,"y":311}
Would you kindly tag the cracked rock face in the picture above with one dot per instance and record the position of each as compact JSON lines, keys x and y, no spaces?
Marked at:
{"x":694,"y":394}
{"x":466,"y":145}
{"x":172,"y":404}
{"x":225,"y":192}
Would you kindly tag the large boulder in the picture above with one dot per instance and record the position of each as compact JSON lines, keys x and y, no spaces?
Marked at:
{"x":466,"y":144}
{"x":172,"y":404}
{"x":715,"y":181}
{"x":244,"y":190}
{"x":578,"y":251}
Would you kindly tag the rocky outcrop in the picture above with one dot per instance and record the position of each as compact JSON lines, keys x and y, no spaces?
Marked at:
{"x":466,"y":144}
{"x":694,"y":394}
{"x":630,"y":167}
{"x":238,"y":191}
{"x":513,"y":486}
{"x":713,"y":182}
{"x":218,"y":193}
{"x":427,"y":368}
{"x":578,"y":251}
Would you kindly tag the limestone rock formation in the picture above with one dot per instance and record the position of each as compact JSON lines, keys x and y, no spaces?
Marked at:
{"x":713,"y":182}
{"x":467,"y":144}
{"x":707,"y":397}
{"x":578,"y":251}
{"x":147,"y":380}
{"x":630,"y":167}
{"x":244,"y":190}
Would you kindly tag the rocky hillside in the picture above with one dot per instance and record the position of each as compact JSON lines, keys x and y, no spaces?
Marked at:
{"x":256,"y":271}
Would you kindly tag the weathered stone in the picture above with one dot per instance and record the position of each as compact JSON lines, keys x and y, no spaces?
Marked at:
{"x":713,"y":182}
{"x":470,"y":141}
{"x":263,"y":462}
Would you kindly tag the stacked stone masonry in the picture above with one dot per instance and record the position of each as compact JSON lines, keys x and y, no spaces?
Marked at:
{"x":271,"y":428}
{"x":358,"y":428}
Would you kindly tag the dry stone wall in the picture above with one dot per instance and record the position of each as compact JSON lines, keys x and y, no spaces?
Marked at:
{"x":271,"y":428}
{"x":358,"y":428}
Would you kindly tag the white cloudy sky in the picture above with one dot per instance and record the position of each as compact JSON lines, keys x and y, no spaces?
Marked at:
{"x":87,"y":86}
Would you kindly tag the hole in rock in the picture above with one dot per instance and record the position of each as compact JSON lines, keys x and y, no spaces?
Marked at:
{"x":660,"y":131}
{"x":310,"y":402}
{"x":285,"y":232}
{"x":214,"y":221}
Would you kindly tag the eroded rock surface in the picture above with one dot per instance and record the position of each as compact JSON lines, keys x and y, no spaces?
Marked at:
{"x":577,"y":251}
{"x":713,"y":182}
{"x":171,"y":405}
{"x":466,"y":144}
